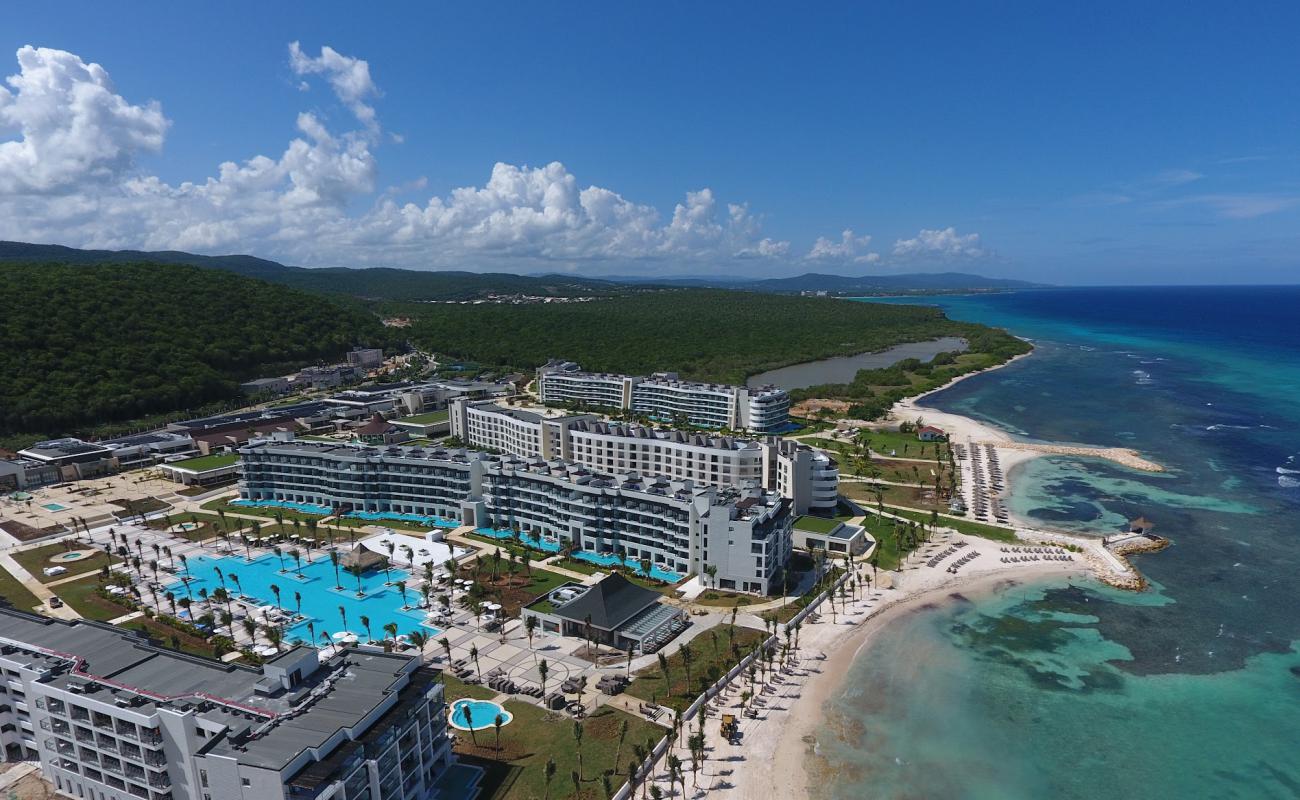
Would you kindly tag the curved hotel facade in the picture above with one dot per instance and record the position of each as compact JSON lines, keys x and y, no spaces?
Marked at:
{"x":735,"y":538}
{"x":664,"y":396}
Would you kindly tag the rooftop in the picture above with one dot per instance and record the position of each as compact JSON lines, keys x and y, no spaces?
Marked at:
{"x":609,"y":604}
{"x":119,"y":664}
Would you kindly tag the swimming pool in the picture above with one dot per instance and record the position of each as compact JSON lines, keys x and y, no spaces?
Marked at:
{"x":306,"y":508}
{"x":54,"y":507}
{"x":527,"y":538}
{"x":482,"y":713}
{"x":609,"y":559}
{"x":420,"y":519}
{"x":320,"y":600}
{"x":600,"y":559}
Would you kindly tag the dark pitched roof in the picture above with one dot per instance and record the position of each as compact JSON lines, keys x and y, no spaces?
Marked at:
{"x":609,"y":603}
{"x":376,"y":425}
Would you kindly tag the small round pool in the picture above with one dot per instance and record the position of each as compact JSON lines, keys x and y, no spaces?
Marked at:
{"x":73,"y":555}
{"x":482,"y":713}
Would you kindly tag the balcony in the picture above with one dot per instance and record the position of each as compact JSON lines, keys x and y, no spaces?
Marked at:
{"x":160,"y":780}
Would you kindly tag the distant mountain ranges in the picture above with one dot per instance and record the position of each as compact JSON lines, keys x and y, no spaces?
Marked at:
{"x":383,"y":283}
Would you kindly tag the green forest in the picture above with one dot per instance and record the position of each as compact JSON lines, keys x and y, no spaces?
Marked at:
{"x":81,"y":345}
{"x":703,"y":334}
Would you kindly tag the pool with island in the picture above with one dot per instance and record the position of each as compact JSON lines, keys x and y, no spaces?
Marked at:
{"x":477,"y":715}
{"x":313,"y":594}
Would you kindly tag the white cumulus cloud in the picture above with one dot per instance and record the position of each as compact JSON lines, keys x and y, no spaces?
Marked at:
{"x":70,"y":173}
{"x":849,"y":249}
{"x":946,"y":244}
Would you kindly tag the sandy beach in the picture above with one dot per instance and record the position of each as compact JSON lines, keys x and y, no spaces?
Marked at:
{"x":773,"y":756}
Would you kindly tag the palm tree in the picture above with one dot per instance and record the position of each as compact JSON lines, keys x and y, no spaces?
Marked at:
{"x":343,"y":613}
{"x":543,"y":669}
{"x":663,"y":667}
{"x":688,"y":655}
{"x":311,"y":631}
{"x":622,"y":734}
{"x":631,"y":653}
{"x":473,"y":654}
{"x":280,"y":555}
{"x":275,"y":590}
{"x":297,"y":601}
{"x":273,"y":635}
{"x":548,"y":772}
{"x":297,"y":558}
{"x":469,"y":722}
{"x":577,"y":782}
{"x":419,"y":639}
{"x":365,"y":623}
{"x":530,"y":627}
{"x":446,"y":648}
{"x":401,"y":589}
{"x":250,"y":627}
{"x":499,"y":721}
{"x":390,"y":628}
{"x":334,"y":559}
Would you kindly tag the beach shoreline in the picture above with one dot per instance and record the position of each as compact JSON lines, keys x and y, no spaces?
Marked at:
{"x":782,"y":758}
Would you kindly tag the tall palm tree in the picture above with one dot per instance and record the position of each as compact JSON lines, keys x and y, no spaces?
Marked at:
{"x":275,"y":590}
{"x":688,"y":656}
{"x":280,"y":555}
{"x":499,"y":721}
{"x":343,"y":613}
{"x":297,"y":601}
{"x":297,"y":559}
{"x":390,"y":628}
{"x":469,"y":722}
{"x":473,"y":654}
{"x":365,"y":623}
{"x":530,"y":627}
{"x":446,"y":648}
{"x":334,"y":560}
{"x":548,"y":773}
{"x":250,"y":627}
{"x":273,"y":635}
{"x":543,"y":669}
{"x":419,"y":639}
{"x":401,"y":589}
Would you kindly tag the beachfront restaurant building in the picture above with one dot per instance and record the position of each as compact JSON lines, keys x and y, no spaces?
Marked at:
{"x":614,"y":612}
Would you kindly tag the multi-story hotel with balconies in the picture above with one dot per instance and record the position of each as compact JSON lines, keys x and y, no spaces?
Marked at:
{"x":112,"y":717}
{"x":664,"y":396}
{"x":809,"y":477}
{"x":623,"y":513}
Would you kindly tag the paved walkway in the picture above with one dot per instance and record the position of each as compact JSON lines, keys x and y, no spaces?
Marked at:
{"x":37,"y":588}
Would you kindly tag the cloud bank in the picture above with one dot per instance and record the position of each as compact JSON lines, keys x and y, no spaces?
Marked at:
{"x":69,"y":173}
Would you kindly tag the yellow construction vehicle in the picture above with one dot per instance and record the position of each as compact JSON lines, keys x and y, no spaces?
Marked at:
{"x":729,"y":729}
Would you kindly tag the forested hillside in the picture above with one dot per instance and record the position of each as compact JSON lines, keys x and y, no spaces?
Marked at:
{"x":88,"y":344}
{"x":377,"y":283}
{"x":701,"y":333}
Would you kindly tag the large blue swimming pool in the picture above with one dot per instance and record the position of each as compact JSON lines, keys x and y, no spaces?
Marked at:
{"x":419,"y":519}
{"x":306,"y":508}
{"x":604,"y":560}
{"x":320,"y":601}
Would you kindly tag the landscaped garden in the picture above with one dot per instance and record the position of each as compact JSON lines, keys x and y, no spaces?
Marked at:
{"x":516,"y":765}
{"x":37,"y":560}
{"x":678,"y":679}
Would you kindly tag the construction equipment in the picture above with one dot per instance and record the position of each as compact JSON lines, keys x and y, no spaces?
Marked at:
{"x":729,"y":729}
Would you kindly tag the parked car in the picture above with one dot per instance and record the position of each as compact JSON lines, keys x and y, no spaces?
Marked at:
{"x":55,"y":602}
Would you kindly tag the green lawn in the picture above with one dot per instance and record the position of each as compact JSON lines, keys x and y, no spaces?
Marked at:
{"x":513,"y":595}
{"x":15,"y":593}
{"x":649,"y":684}
{"x":287,"y":514}
{"x":727,"y":599}
{"x":905,"y":445}
{"x":36,"y":560}
{"x":816,"y":524}
{"x":204,"y":463}
{"x":427,"y":419}
{"x":81,"y":596}
{"x":456,"y":688}
{"x":997,"y":533}
{"x":516,"y":771}
{"x":209,"y":525}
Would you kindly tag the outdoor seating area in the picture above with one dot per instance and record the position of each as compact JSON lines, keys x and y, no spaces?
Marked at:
{"x":1026,"y":554}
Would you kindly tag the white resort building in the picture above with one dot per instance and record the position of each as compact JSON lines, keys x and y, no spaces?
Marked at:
{"x":736,"y":538}
{"x":664,"y":396}
{"x":807,"y":476}
{"x":112,"y":717}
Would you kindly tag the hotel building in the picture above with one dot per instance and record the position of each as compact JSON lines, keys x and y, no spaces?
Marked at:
{"x":664,"y":396}
{"x":679,"y":525}
{"x":808,"y":477}
{"x":112,"y":717}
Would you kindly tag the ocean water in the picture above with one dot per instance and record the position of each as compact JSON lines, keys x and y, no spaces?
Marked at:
{"x":1189,"y":690}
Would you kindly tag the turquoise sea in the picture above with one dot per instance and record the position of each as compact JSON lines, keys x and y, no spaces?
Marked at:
{"x":1052,"y":690}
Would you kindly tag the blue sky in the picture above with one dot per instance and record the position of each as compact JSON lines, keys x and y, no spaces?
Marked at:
{"x":1096,"y":144}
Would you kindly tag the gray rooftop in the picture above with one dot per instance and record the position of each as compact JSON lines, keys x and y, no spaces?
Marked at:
{"x":355,"y":683}
{"x":610,"y":603}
